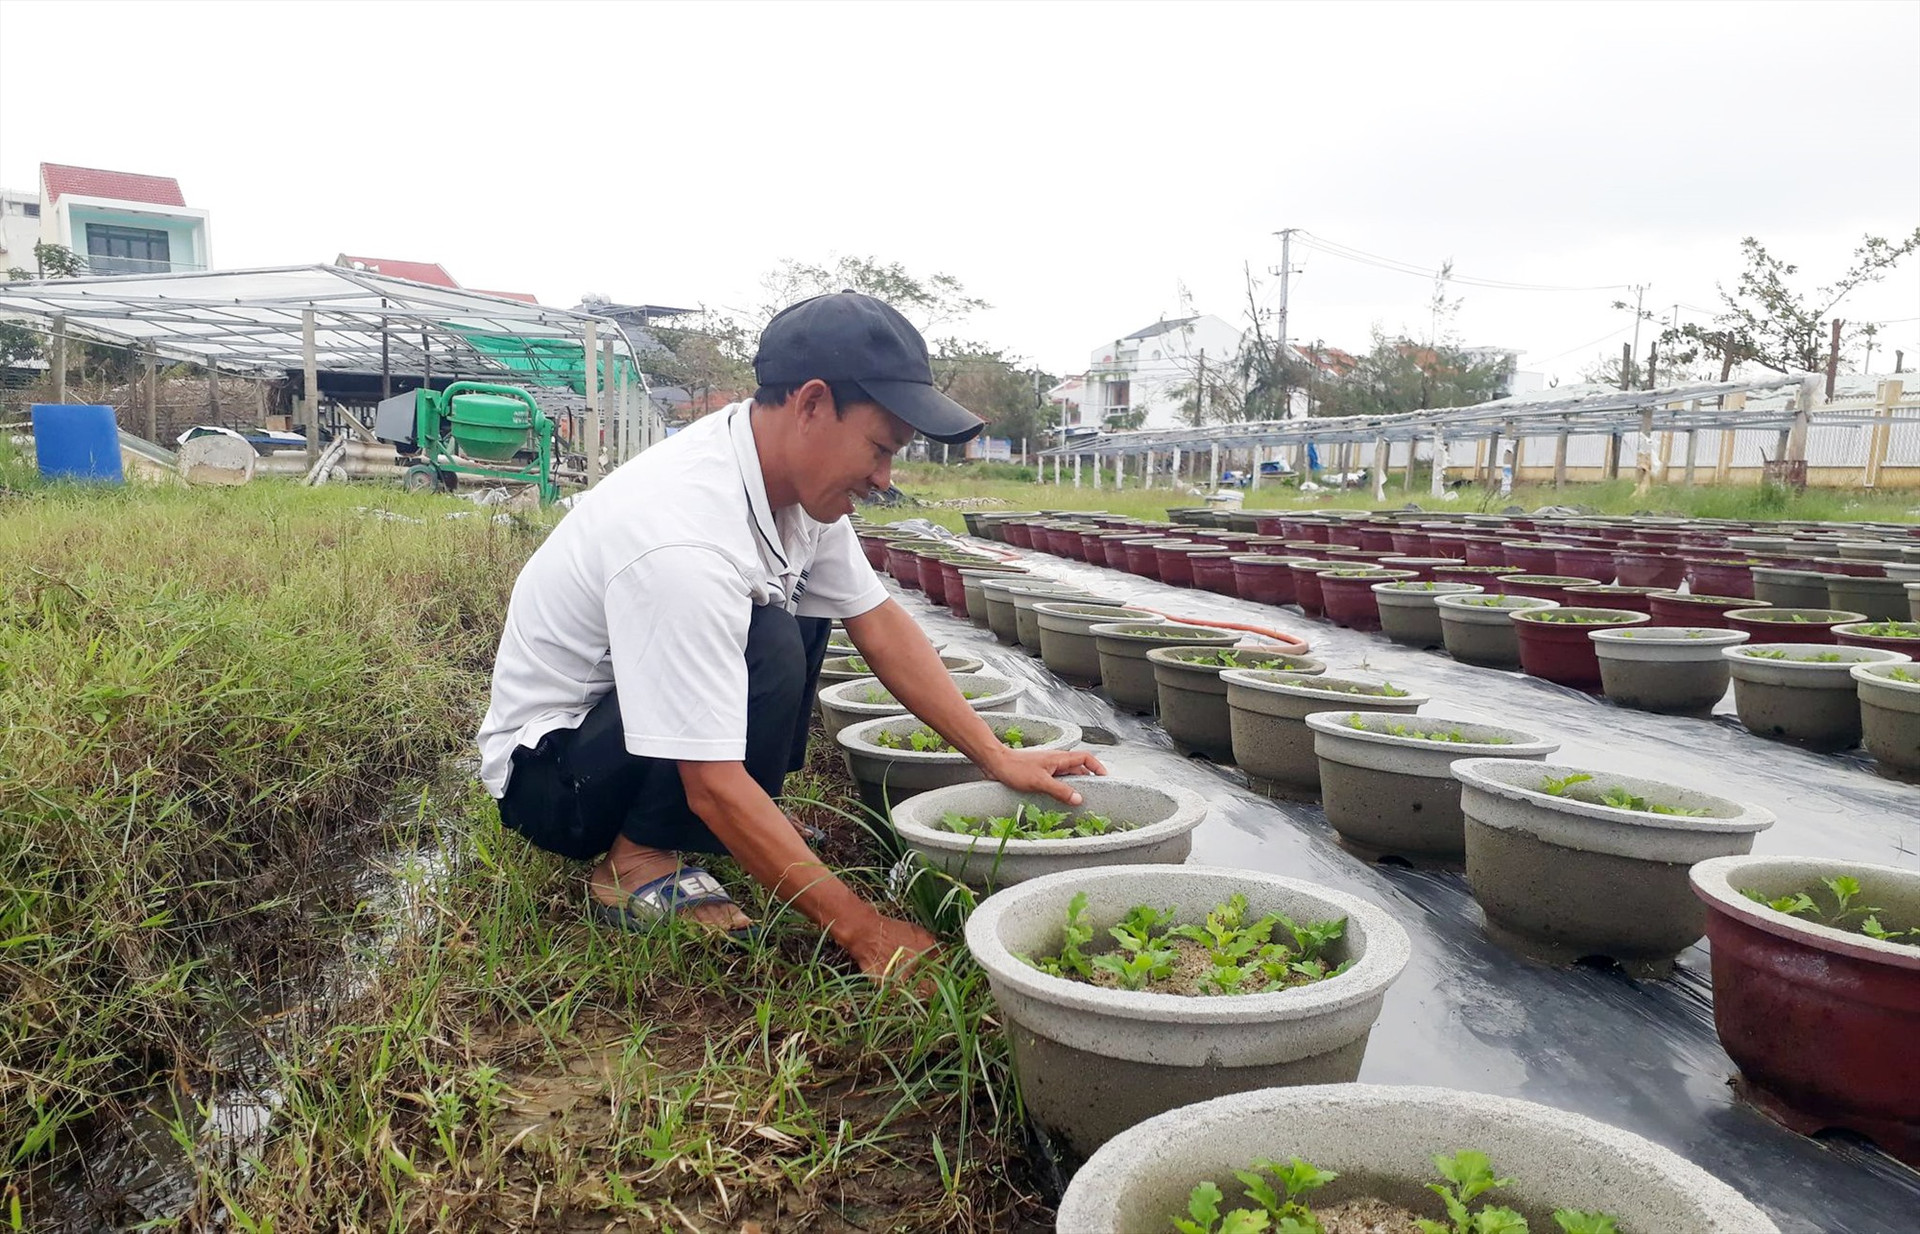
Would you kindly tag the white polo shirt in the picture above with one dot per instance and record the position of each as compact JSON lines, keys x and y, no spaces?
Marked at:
{"x":648,"y":585}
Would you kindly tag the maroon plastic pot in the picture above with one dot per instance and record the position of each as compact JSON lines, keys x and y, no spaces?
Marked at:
{"x":1778,"y":625}
{"x":1377,"y":538}
{"x":1531,"y":557}
{"x":1265,"y":578}
{"x":1345,"y":533}
{"x":1672,"y":609}
{"x":1484,"y":551}
{"x":875,"y":548}
{"x":1018,"y":533}
{"x":904,"y":564}
{"x":1848,"y":565}
{"x":1589,"y":562}
{"x":1141,"y":558}
{"x":1448,"y":543}
{"x":1348,"y":597}
{"x":1213,"y":571}
{"x":1306,"y":586}
{"x":1612,"y":595}
{"x":1540,"y":586}
{"x":1554,"y":648}
{"x":1720,"y":576}
{"x":1065,"y":542}
{"x":1412,"y":542}
{"x":932,"y":580}
{"x":1655,"y":535}
{"x":1821,"y":1022}
{"x":1485,"y":576}
{"x":1422,"y":567}
{"x":1270,"y":525}
{"x":1313,"y":529}
{"x":1907,"y":642}
{"x":1112,"y":551}
{"x":1648,"y":568}
{"x":1171,"y":563}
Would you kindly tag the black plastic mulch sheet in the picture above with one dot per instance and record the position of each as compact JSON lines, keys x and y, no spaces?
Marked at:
{"x":1637,"y":1054}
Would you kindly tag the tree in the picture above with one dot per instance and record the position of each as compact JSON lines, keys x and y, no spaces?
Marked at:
{"x":710,"y":357}
{"x":51,"y":261}
{"x":1765,"y":320}
{"x":929,"y":303}
{"x":1399,"y":375}
{"x":999,"y":389}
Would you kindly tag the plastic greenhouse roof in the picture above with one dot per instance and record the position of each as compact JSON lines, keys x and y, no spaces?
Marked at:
{"x":251,"y":320}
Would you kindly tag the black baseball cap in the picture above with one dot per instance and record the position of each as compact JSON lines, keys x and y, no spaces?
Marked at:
{"x":847,"y":336}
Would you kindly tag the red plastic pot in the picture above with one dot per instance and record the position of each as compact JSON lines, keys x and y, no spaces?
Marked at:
{"x":1270,"y":525}
{"x":1172,"y":565}
{"x":1018,"y":533}
{"x":1484,"y":551}
{"x":904,"y":565}
{"x":1851,"y":634}
{"x":1531,"y":557}
{"x":1847,"y":565}
{"x":1559,"y":650}
{"x":1265,"y":578}
{"x":932,"y":581}
{"x":1113,"y":549}
{"x":1065,"y":542}
{"x":1303,"y":529}
{"x":1588,"y":562}
{"x":1345,"y":533}
{"x":1422,"y":567}
{"x":1213,"y":571}
{"x":1719,"y":576}
{"x":1671,"y":609}
{"x":1412,"y":542}
{"x":1648,"y":568}
{"x":1540,"y":586}
{"x":1306,"y":548}
{"x":1448,"y":543}
{"x":1820,"y":1022}
{"x":875,"y":547}
{"x":1306,"y":586}
{"x":957,"y":586}
{"x":1816,"y":628}
{"x":1605,"y":595}
{"x":1142,"y":559}
{"x":1377,"y":538}
{"x":1349,"y":600}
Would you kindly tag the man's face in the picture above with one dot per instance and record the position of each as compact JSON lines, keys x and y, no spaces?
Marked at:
{"x":845,"y":455}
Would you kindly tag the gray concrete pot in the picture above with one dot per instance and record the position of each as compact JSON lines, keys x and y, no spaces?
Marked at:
{"x":1787,"y":588}
{"x":1476,"y":628}
{"x":1869,"y":550}
{"x":1192,"y":699}
{"x":1093,"y":1062}
{"x":835,"y":670}
{"x":1881,"y":599}
{"x":1890,"y":716}
{"x":1066,"y":636}
{"x":1395,"y":796}
{"x":1674,"y":669}
{"x":1913,"y":601}
{"x":972,"y":580}
{"x":864,"y":698}
{"x":1561,"y":878}
{"x":1381,"y":1139}
{"x":1267,"y":713}
{"x":885,"y":775}
{"x":1160,"y":822}
{"x":1409,"y":614}
{"x":998,"y":594}
{"x":1026,"y":615}
{"x":1126,"y":673}
{"x":1812,"y":702}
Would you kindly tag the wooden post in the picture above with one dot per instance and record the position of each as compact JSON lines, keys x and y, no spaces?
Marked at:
{"x":1438,"y":482}
{"x":1723,"y":466}
{"x":606,"y":384}
{"x":590,"y":371}
{"x":1793,"y":442}
{"x":1146,"y":473}
{"x":1884,"y":399}
{"x":1213,"y":461}
{"x":1643,"y":454}
{"x":1096,"y":471}
{"x":1413,"y":444}
{"x":1833,"y":359}
{"x":1177,"y":476}
{"x":213,"y":394}
{"x":152,"y":400}
{"x":1119,"y":472}
{"x":310,"y":374}
{"x":1519,"y":450}
{"x":260,"y":400}
{"x":1379,"y":468}
{"x":59,"y":357}
{"x":386,"y":354}
{"x":1560,"y":460}
{"x":1056,"y":471}
{"x":1613,"y":456}
{"x":1490,"y":470}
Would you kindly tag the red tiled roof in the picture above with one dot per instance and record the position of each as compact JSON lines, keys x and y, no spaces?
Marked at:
{"x":60,"y":179}
{"x":524,"y":296}
{"x":419,"y":271}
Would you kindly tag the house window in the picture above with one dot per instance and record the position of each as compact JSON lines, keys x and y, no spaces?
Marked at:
{"x":1119,"y":393}
{"x":31,"y":209}
{"x":126,"y":250}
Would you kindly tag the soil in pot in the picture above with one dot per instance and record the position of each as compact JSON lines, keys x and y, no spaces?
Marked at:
{"x":1347,"y":595}
{"x":1267,"y":714}
{"x":1093,"y":1061}
{"x":1570,"y":863}
{"x":896,"y":757}
{"x":1819,"y":1015}
{"x":1890,"y":716}
{"x":1192,"y":699}
{"x":1800,"y":692}
{"x":1477,"y":629}
{"x":1900,"y":636}
{"x":1409,"y":612}
{"x":1673,"y":669}
{"x":1066,"y":636}
{"x":1125,"y":672}
{"x":1387,"y":783}
{"x":987,"y":835}
{"x":1789,"y":625}
{"x":1554,"y":645}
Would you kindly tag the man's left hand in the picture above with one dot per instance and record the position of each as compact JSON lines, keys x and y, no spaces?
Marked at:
{"x":1038,"y":771}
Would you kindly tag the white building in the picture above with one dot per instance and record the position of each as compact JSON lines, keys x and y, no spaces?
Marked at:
{"x":118,"y":222}
{"x":1150,"y":370}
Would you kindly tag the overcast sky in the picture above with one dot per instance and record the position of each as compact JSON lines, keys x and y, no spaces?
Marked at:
{"x":1076,"y":165}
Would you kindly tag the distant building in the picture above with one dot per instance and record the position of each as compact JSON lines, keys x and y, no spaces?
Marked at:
{"x":118,"y":222}
{"x":1140,"y":380}
{"x":432,"y":273}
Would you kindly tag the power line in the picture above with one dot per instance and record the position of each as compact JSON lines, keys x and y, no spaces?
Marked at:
{"x":1362,"y":257}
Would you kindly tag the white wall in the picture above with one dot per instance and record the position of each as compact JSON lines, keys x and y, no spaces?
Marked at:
{"x":1155,"y":367}
{"x":18,"y":233}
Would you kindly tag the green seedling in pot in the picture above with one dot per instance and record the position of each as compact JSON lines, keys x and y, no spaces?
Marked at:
{"x":1844,"y":915}
{"x":879,"y":695}
{"x":1561,"y":617}
{"x":856,"y":665}
{"x":926,"y":741}
{"x":1242,"y":957}
{"x":1383,"y":690}
{"x":1890,"y":629}
{"x":1279,"y":1209}
{"x":1557,"y":786}
{"x":1899,"y":673}
{"x":1781,"y":653}
{"x":1401,"y":729}
{"x":1030,"y":823}
{"x":1492,"y":601}
{"x":1621,"y":799}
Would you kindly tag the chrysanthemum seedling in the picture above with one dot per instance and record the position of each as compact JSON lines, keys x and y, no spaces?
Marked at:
{"x":1844,"y":915}
{"x":1397,"y":728}
{"x":1030,"y":823}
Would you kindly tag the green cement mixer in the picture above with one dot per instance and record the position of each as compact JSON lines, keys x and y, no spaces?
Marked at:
{"x":471,"y":428}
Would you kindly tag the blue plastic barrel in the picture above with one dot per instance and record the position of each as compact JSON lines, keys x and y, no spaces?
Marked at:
{"x":76,"y":441}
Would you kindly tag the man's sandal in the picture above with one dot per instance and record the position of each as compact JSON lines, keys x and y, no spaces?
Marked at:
{"x":649,"y":904}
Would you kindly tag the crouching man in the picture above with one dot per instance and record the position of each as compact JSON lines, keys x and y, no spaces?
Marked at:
{"x":656,"y":675}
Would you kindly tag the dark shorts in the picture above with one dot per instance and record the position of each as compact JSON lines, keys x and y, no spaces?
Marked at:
{"x":578,"y":788}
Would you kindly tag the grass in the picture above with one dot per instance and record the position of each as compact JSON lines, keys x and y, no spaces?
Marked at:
{"x":215,"y":699}
{"x":998,"y":486}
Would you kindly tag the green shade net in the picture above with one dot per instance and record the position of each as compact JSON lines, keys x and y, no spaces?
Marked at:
{"x":546,"y":361}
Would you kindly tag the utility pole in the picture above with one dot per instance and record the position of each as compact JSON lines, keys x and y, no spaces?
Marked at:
{"x":1280,"y":327}
{"x":1626,"y":365}
{"x":1200,"y":401}
{"x":1833,"y":358}
{"x":1639,"y":301}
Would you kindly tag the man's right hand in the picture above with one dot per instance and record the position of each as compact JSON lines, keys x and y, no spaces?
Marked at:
{"x":888,"y":948}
